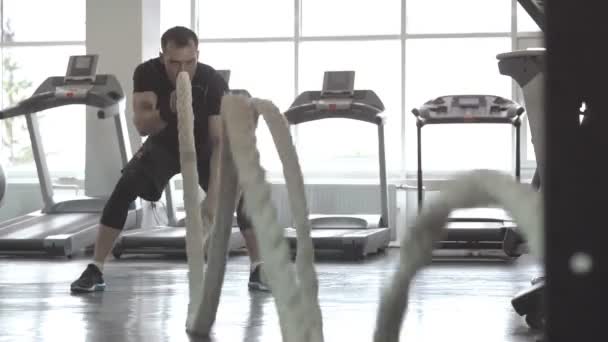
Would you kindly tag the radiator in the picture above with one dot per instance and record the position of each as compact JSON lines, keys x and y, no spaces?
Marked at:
{"x":339,"y":199}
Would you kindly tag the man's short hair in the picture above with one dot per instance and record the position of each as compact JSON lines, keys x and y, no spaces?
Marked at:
{"x":178,"y":35}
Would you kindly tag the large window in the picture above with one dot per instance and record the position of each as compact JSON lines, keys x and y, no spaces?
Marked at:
{"x":45,"y":21}
{"x":34,"y":46}
{"x":344,"y":146}
{"x":446,"y":66}
{"x":462,"y":16}
{"x":175,"y":13}
{"x":350,"y":18}
{"x":266,"y":70}
{"x":245,"y":18}
{"x":406,"y":51}
{"x":524,"y":22}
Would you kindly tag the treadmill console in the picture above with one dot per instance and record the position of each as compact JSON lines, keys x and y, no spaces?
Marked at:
{"x":79,"y":78}
{"x":82,"y":68}
{"x":337,"y":99}
{"x":468,"y":109}
{"x":338,"y":83}
{"x":338,"y":90}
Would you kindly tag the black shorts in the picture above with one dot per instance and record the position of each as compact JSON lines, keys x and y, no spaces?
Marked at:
{"x":146,"y":176}
{"x":154,"y":165}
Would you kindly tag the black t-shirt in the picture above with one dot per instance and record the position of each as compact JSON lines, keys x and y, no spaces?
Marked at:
{"x":208,"y":87}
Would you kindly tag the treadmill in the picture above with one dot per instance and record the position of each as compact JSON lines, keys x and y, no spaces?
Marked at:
{"x":64,"y":228}
{"x":527,"y":67}
{"x":478,"y":232}
{"x":170,"y":239}
{"x":355,"y":236}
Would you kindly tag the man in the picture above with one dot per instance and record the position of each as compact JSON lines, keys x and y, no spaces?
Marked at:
{"x":150,"y":169}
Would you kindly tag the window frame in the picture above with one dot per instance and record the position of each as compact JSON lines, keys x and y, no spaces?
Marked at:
{"x":528,"y":164}
{"x":19,"y":176}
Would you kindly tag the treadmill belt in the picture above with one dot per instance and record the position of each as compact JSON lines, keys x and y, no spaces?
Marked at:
{"x":334,"y":233}
{"x":160,"y":232}
{"x":325,"y":233}
{"x":45,"y":225}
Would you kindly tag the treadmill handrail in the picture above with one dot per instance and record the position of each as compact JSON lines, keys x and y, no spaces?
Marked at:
{"x":103,"y":93}
{"x":358,"y":111}
{"x":18,"y":109}
{"x":47,"y":100}
{"x":512,"y":111}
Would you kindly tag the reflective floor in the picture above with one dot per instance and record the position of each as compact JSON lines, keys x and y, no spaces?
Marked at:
{"x":146,"y":300}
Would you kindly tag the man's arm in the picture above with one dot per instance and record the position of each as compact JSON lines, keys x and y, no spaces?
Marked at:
{"x":152,"y":111}
{"x":147,"y":117}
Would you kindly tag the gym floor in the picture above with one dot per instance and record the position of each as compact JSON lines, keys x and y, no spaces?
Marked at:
{"x":146,"y":300}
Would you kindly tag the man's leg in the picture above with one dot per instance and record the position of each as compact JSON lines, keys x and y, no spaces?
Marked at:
{"x":252,"y":247}
{"x":256,"y":281}
{"x":246,"y":228}
{"x":112,"y":221}
{"x":106,"y":237}
{"x":256,"y":277}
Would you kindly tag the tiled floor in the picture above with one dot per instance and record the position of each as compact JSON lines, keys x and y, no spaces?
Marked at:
{"x":146,"y":300}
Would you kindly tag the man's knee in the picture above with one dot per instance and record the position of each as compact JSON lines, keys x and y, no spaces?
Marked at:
{"x":242,"y":219}
{"x":151,"y":168}
{"x":117,"y":207}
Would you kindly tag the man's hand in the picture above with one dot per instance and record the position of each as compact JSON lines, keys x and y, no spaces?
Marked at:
{"x":146,"y":118}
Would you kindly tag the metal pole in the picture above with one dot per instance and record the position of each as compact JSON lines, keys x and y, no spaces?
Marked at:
{"x":383,"y":181}
{"x":420,"y":181}
{"x":518,"y":150}
{"x":42,"y":167}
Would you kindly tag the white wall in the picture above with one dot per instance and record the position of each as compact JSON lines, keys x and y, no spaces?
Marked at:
{"x":123,"y":33}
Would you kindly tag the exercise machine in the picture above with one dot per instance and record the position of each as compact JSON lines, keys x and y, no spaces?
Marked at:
{"x":526,"y":68}
{"x":170,"y":239}
{"x":354,"y":235}
{"x":66,"y":227}
{"x":478,"y":232}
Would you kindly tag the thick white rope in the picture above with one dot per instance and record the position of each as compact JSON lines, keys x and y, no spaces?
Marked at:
{"x":204,"y":289}
{"x":305,"y":270}
{"x":239,"y":117}
{"x":296,"y":299}
{"x":195,"y":237}
{"x":473,"y":189}
{"x":295,"y":316}
{"x":218,"y":245}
